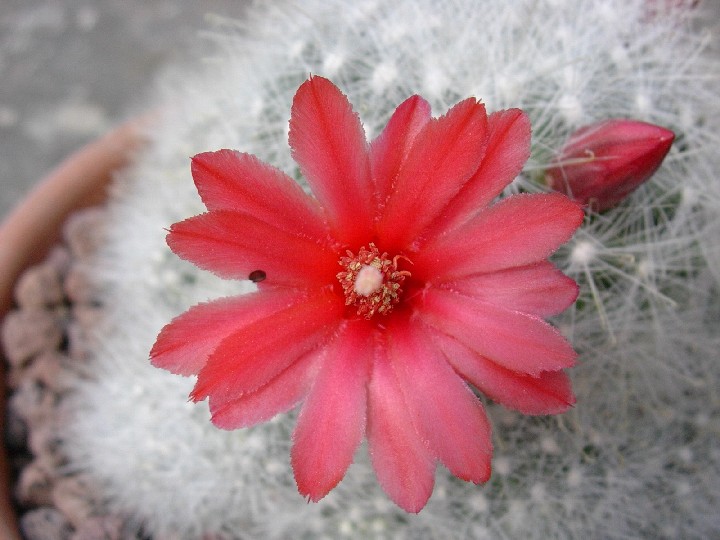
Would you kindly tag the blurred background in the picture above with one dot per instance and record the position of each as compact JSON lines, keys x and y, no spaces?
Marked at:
{"x":71,"y":69}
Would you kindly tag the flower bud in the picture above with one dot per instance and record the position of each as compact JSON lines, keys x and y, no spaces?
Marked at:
{"x":603,"y":163}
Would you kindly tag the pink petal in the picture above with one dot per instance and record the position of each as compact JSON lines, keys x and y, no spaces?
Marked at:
{"x":403,"y":464}
{"x":446,"y":413}
{"x":514,"y":340}
{"x":252,"y":356}
{"x":279,"y":395}
{"x":539,"y":289}
{"x":389,"y":150}
{"x":548,"y":393}
{"x":184,"y":344}
{"x":328,"y":142}
{"x":331,"y":424}
{"x":444,"y":155}
{"x":508,"y":149}
{"x":517,"y":231}
{"x":230,"y":180}
{"x":232,"y":245}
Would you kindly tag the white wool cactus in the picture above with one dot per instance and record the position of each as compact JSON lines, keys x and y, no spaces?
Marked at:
{"x":637,"y":456}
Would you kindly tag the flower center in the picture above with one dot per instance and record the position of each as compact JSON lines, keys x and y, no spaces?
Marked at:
{"x":371,"y":280}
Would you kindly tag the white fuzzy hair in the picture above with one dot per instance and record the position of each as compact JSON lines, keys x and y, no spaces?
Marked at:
{"x":637,"y":456}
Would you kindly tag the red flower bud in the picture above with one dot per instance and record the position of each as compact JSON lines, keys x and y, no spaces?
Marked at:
{"x":602,"y":163}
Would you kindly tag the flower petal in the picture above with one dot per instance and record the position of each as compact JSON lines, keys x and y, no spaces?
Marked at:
{"x":232,"y":245}
{"x":539,"y":289}
{"x":328,"y":142}
{"x":446,"y":413}
{"x":508,"y":149}
{"x":279,"y":395}
{"x":403,"y":464}
{"x":331,"y":424}
{"x":252,"y":356}
{"x":517,"y":231}
{"x":548,"y":393}
{"x":390,"y":149}
{"x":184,"y":344}
{"x":230,"y":180}
{"x":444,"y":155}
{"x":517,"y":341}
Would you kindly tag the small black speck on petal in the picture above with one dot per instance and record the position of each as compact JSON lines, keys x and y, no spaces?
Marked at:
{"x":256,"y":276}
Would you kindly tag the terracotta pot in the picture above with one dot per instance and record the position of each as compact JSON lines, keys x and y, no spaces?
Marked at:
{"x":34,"y":226}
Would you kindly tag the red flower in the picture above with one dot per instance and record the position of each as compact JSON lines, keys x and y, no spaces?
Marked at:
{"x":603,"y":163}
{"x":381,"y":298}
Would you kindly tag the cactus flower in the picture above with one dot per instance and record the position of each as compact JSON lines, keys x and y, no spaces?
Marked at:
{"x":603,"y":163}
{"x":383,"y":296}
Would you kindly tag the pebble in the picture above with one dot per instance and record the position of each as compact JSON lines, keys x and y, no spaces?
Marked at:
{"x":39,"y":286}
{"x":79,"y":287}
{"x":70,"y":495}
{"x":78,"y":346}
{"x":100,"y":528}
{"x":86,"y":316}
{"x":60,"y":258}
{"x":49,"y":370}
{"x":43,"y":443}
{"x":27,"y":332}
{"x":34,"y":487}
{"x":26,"y":402}
{"x":45,"y":523}
{"x":83,"y":232}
